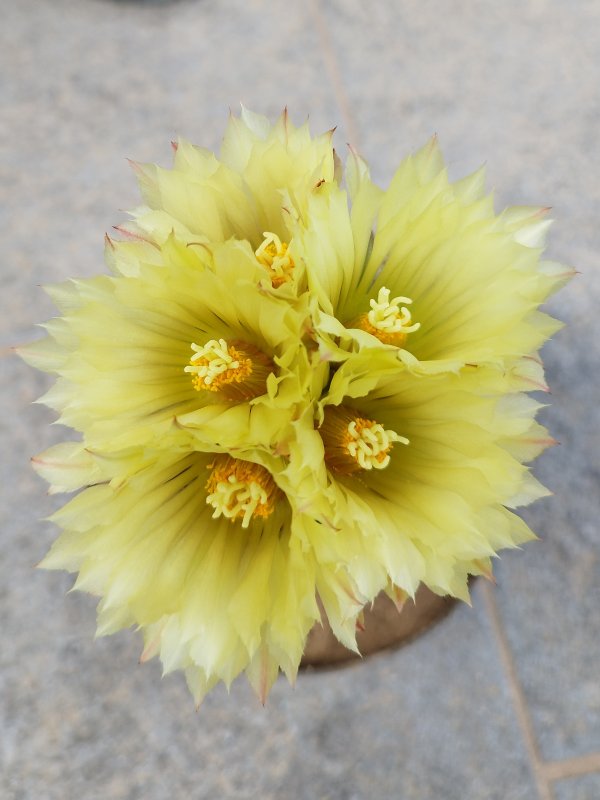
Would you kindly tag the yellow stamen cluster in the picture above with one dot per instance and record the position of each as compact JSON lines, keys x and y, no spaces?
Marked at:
{"x":238,"y":370}
{"x":388,"y":320}
{"x":240,"y":490}
{"x":273,"y":255}
{"x":215,"y":363}
{"x":354,"y":443}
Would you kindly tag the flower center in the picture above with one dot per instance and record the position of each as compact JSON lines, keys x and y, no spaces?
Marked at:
{"x":389,"y":321}
{"x":354,"y":443}
{"x":240,"y":490}
{"x":238,"y":370}
{"x":273,"y":255}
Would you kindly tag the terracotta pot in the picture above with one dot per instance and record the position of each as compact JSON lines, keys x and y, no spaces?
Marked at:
{"x":384,"y":627}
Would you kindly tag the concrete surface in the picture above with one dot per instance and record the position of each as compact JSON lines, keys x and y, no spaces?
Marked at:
{"x":500,"y":702}
{"x":585,"y":788}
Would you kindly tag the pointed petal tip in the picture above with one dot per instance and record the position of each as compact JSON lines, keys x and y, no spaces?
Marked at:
{"x":534,"y":357}
{"x":485,"y":571}
{"x":135,"y":165}
{"x":538,"y":386}
{"x":137,"y":237}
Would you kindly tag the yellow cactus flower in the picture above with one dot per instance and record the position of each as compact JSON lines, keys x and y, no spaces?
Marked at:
{"x":418,"y":477}
{"x":200,"y":551}
{"x":188,"y":340}
{"x":264,"y":177}
{"x":287,"y":403}
{"x":426,"y":269}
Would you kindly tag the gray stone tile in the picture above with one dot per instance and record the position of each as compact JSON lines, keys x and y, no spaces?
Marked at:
{"x":446,"y":709}
{"x":550,"y":606}
{"x":511,"y":84}
{"x":586,"y":787}
{"x":550,"y":594}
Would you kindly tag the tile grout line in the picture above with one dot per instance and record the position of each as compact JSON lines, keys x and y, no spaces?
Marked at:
{"x":332,"y":67}
{"x":519,"y":704}
{"x":571,"y":767}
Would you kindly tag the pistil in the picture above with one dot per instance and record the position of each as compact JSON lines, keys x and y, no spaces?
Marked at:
{"x":237,"y":370}
{"x":388,"y":320}
{"x":274,"y":256}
